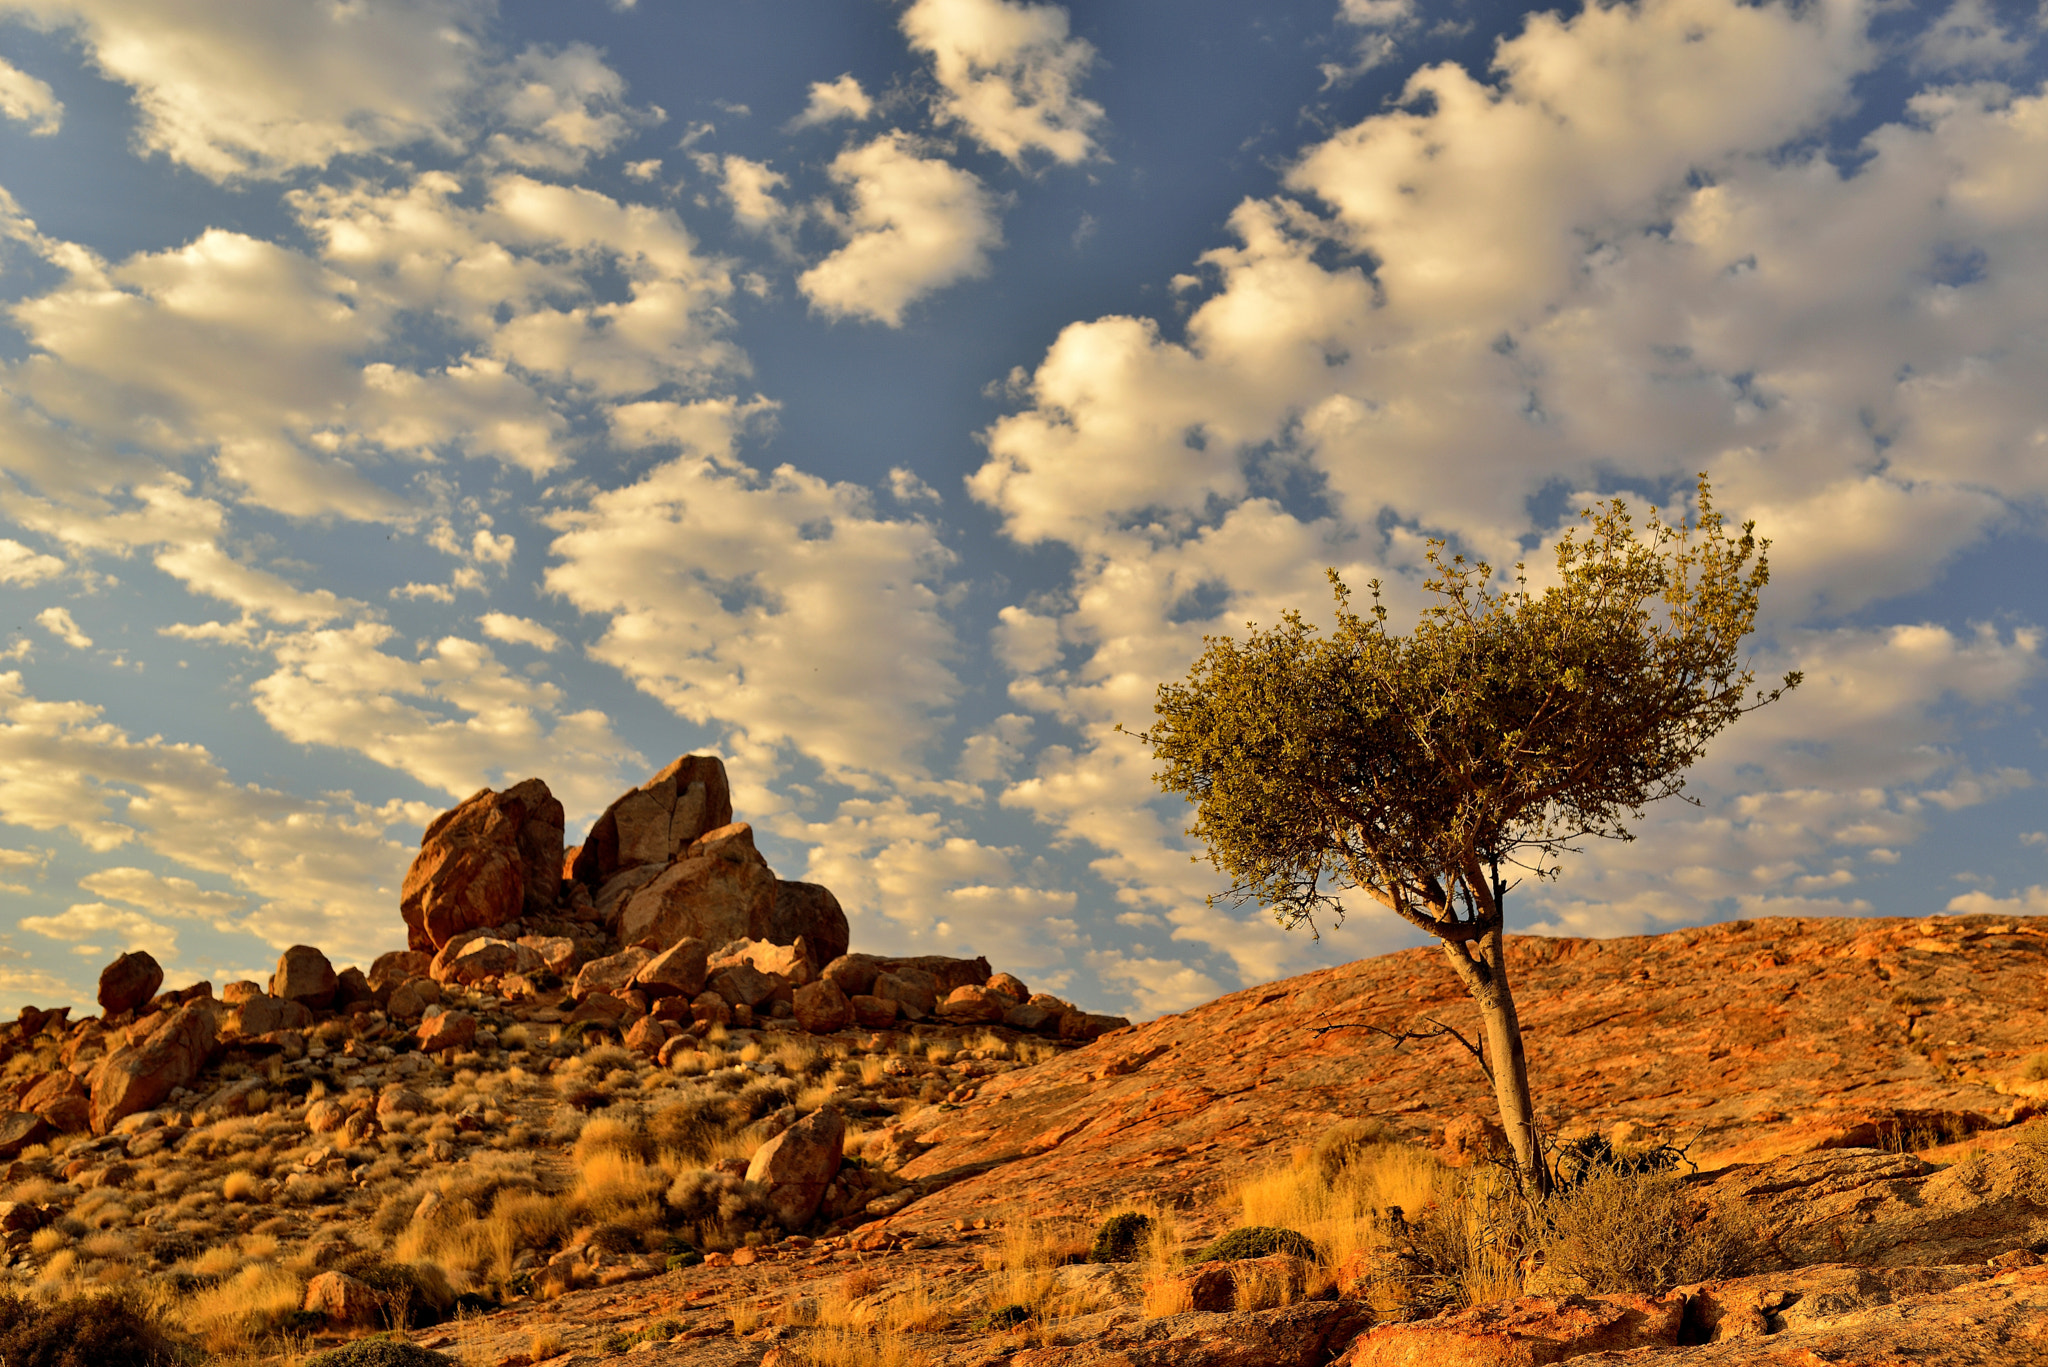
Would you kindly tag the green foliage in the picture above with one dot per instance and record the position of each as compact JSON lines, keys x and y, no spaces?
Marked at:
{"x":1257,"y":1241}
{"x":1505,"y":727}
{"x":380,"y":1353}
{"x":1120,"y":1237}
{"x":617,"y":1341}
{"x":85,"y":1331}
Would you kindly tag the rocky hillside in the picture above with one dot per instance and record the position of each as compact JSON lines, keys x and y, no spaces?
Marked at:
{"x":641,"y":1095}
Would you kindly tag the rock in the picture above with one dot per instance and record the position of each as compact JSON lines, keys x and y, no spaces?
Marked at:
{"x":711,"y":1009}
{"x":808,"y":912}
{"x":484,"y":863}
{"x":351,"y":986}
{"x":945,"y":973}
{"x":611,"y":975}
{"x":853,"y":974}
{"x":1471,"y":1138}
{"x":873,"y":1013}
{"x":1528,"y":1329}
{"x":61,"y":1100}
{"x":604,"y":1009}
{"x":305,"y":976}
{"x":398,"y":1101}
{"x":646,"y":1036}
{"x":678,"y":971}
{"x":718,"y":890}
{"x":822,"y":1008}
{"x":326,"y":1116}
{"x":791,"y":962}
{"x":448,"y":1030}
{"x":797,"y":1165}
{"x":262,"y":1014}
{"x":1087,"y":1025}
{"x":1306,"y":1335}
{"x":971,"y":1005}
{"x":913,"y":990}
{"x":235,"y":993}
{"x":1213,"y":1287}
{"x":411,"y":1000}
{"x":139,"y":1076}
{"x":128,"y":982}
{"x":343,"y":1301}
{"x":485,"y":958}
{"x":1009,"y":986}
{"x":19,"y":1129}
{"x":743,"y":985}
{"x":389,"y":970}
{"x":656,"y":821}
{"x":1033,"y":1019}
{"x":558,"y":952}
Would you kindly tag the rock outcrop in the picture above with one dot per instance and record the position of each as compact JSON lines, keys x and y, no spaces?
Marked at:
{"x":798,"y":1165}
{"x":484,"y":863}
{"x":141,"y":1075}
{"x":653,"y":824}
{"x":128,"y":982}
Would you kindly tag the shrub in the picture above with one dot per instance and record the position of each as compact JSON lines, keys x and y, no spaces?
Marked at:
{"x":380,"y":1353}
{"x":97,"y":1331}
{"x":1631,"y":1231}
{"x":2035,"y":1067}
{"x":1120,"y":1238}
{"x":1256,"y":1241}
{"x":1344,"y":1145}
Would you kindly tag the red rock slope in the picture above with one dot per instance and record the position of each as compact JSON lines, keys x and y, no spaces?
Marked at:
{"x":1751,"y":1038}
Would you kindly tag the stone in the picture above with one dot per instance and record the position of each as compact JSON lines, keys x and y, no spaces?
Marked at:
{"x":448,"y":1030}
{"x":808,"y":912}
{"x":412,"y":998}
{"x":612,"y":974}
{"x":1472,"y":1138}
{"x":791,"y":962}
{"x":62,"y":1100}
{"x":1009,"y":985}
{"x":352,"y":986}
{"x":398,"y":1101}
{"x":913,"y":990}
{"x":390,"y":969}
{"x":19,"y":1129}
{"x":486,"y":958}
{"x":796,"y":1166}
{"x":483,"y":863}
{"x":1305,"y":1335}
{"x":646,"y":1036}
{"x":678,"y":971}
{"x":1522,"y":1332}
{"x":261,"y":1014}
{"x":743,"y":985}
{"x":305,"y":976}
{"x":140,"y":1076}
{"x":873,"y":1013}
{"x":711,"y":1009}
{"x":604,"y":1009}
{"x":128,"y":982}
{"x":971,"y":1005}
{"x":558,"y":952}
{"x":1213,"y":1287}
{"x":853,"y":974}
{"x":822,"y":1008}
{"x":1032,"y":1019}
{"x":326,"y":1116}
{"x":1088,"y":1025}
{"x":33,"y":1021}
{"x":235,"y":993}
{"x":661,"y":817}
{"x":343,"y":1301}
{"x":946,"y":973}
{"x":718,"y":890}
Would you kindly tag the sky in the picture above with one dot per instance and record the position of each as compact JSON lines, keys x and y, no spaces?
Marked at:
{"x":400,"y":397}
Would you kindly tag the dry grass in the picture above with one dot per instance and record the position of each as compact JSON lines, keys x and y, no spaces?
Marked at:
{"x":1337,"y":1193}
{"x":1621,"y":1231}
{"x":243,"y":1310}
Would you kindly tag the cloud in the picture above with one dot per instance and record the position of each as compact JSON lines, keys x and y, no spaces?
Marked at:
{"x":1009,"y":75}
{"x":1380,"y":23}
{"x":832,"y":100}
{"x":27,"y":99}
{"x":560,"y":108}
{"x":1968,"y":38}
{"x":20,"y":565}
{"x":60,"y":624}
{"x":167,"y":895}
{"x":503,"y":626}
{"x":779,"y":605}
{"x":2032,"y":902}
{"x":915,"y":225}
{"x":750,"y":186}
{"x":123,"y":927}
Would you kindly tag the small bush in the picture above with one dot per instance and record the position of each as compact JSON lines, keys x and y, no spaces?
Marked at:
{"x":1627,"y":1231}
{"x":380,"y":1353}
{"x":1343,"y":1145}
{"x":2035,"y":1067}
{"x":1257,"y":1241}
{"x":82,"y":1332}
{"x":1121,"y":1238}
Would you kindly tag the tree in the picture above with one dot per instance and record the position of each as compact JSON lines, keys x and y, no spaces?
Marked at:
{"x":1506,"y":728}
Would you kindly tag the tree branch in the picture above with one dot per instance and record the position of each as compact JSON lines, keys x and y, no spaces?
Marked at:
{"x":1442,"y":1029}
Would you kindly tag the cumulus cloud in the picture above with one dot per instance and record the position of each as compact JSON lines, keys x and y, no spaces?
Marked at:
{"x":833,"y":100}
{"x":2032,"y":902}
{"x":560,"y":108}
{"x":20,"y":565}
{"x":915,"y":224}
{"x":1009,"y":75}
{"x":1380,"y":24}
{"x":28,"y":99}
{"x":122,"y":928}
{"x":503,"y":626}
{"x":60,"y":624}
{"x":166,"y":894}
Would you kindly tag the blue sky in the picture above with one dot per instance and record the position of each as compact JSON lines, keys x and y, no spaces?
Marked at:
{"x":401,"y":398}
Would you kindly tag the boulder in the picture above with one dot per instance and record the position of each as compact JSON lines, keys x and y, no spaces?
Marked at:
{"x":718,"y":890}
{"x":603,"y":1009}
{"x":488,"y":958}
{"x":1009,"y":985}
{"x":235,"y":993}
{"x":352,"y":985}
{"x":326,"y":1116}
{"x":305,"y":976}
{"x":874,"y":1013}
{"x":483,"y":863}
{"x":853,"y":974}
{"x":810,"y":912}
{"x":653,"y":823}
{"x":646,"y":1036}
{"x":447,"y":1030}
{"x":743,"y":985}
{"x":971,"y":1005}
{"x":128,"y":982}
{"x":711,"y":1009}
{"x":398,"y":1101}
{"x":343,"y":1301}
{"x":678,"y":971}
{"x":1471,"y":1138}
{"x":822,"y":1008}
{"x":1032,"y":1019}
{"x":791,"y":962}
{"x":389,"y":970}
{"x":798,"y":1165}
{"x":912,"y":989}
{"x":137,"y":1077}
{"x":558,"y":952}
{"x":261,"y":1014}
{"x":1528,"y":1329}
{"x":946,"y":973}
{"x":1088,"y":1025}
{"x":19,"y":1129}
{"x":412,"y":998}
{"x":612,"y":975}
{"x":62,"y":1100}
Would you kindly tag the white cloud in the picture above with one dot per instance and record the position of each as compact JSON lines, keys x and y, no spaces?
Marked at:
{"x":1010,"y":75}
{"x":560,"y":108}
{"x":503,"y":626}
{"x":20,"y":565}
{"x":121,"y":926}
{"x":836,"y":99}
{"x":28,"y":99}
{"x":1158,"y":985}
{"x":647,"y":170}
{"x":778,"y":605}
{"x":915,"y":225}
{"x":1968,"y":38}
{"x":1381,"y":23}
{"x":166,"y":895}
{"x":60,"y":624}
{"x":750,"y":186}
{"x":2032,"y":902}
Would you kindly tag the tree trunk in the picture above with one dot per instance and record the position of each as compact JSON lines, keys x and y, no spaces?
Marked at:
{"x":1486,"y":978}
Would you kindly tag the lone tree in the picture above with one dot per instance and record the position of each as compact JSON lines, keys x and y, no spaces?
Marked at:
{"x":1505,"y":729}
